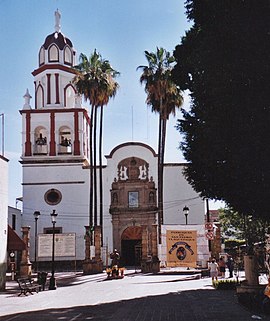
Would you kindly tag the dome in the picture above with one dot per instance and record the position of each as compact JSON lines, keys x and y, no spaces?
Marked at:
{"x":57,"y":48}
{"x":58,"y":39}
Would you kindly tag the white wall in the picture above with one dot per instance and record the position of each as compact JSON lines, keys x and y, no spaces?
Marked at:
{"x":3,"y":218}
{"x":72,"y":181}
{"x":178,"y":193}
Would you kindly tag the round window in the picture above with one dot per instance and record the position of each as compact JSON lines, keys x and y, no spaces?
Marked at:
{"x":53,"y":197}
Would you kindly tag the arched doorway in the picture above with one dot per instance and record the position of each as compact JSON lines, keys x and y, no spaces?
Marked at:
{"x":131,"y":244}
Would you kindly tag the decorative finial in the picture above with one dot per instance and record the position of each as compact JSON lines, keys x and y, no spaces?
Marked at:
{"x":57,"y":26}
{"x":27,"y":98}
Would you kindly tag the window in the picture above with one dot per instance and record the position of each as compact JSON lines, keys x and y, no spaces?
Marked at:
{"x":13,"y":221}
{"x":41,"y":56}
{"x":53,"y":54}
{"x":40,"y":97}
{"x":68,"y":56}
{"x":53,"y":197}
{"x":64,"y":140}
{"x":49,"y":230}
{"x":133,"y":199}
{"x":69,"y":96}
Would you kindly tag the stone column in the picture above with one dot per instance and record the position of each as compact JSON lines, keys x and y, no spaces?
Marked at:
{"x":154,"y":241}
{"x":251,"y":270}
{"x":87,"y":243}
{"x":251,"y":284}
{"x":25,"y":265}
{"x":95,"y":265}
{"x":155,"y":259}
{"x":144,"y":242}
{"x":146,"y":263}
{"x":97,"y":243}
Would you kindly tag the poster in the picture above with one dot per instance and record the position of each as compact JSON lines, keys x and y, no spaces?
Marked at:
{"x":181,"y":248}
{"x":64,"y":245}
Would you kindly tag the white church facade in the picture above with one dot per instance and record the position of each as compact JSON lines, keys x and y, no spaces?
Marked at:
{"x":55,"y":165}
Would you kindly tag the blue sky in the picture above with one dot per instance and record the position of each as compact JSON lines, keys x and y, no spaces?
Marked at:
{"x":120,"y":30}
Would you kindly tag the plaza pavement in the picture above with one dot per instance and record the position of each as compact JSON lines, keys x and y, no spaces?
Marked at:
{"x":136,"y":297}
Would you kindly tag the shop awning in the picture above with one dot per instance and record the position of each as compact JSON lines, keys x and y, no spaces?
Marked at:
{"x":15,"y":243}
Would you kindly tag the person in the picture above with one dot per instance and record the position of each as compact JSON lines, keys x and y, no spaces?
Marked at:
{"x":230,"y":265}
{"x":222,"y":266}
{"x":266,"y":300}
{"x":213,"y":267}
{"x":115,"y":256}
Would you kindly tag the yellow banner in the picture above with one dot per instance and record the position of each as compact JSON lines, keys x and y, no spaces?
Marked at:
{"x":182,"y":248}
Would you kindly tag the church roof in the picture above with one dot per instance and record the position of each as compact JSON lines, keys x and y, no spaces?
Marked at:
{"x":58,"y":39}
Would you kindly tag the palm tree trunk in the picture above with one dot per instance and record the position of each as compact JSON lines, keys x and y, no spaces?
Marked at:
{"x":95,"y":167}
{"x":160,"y":200}
{"x":163,"y":141}
{"x":100,"y":173}
{"x":91,"y":174}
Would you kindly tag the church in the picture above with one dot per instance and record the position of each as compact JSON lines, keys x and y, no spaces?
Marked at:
{"x":56,"y":173}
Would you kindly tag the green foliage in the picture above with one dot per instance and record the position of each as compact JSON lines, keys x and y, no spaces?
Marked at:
{"x":230,"y":244}
{"x":95,"y":79}
{"x":162,"y":93}
{"x":224,"y":62}
{"x":225,"y":284}
{"x":241,"y":227}
{"x":164,"y":96}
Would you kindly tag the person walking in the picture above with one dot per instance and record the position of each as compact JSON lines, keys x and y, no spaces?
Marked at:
{"x":222,"y":266}
{"x":213,"y":267}
{"x":230,"y":265}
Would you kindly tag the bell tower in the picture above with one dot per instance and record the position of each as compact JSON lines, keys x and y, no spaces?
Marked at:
{"x":57,"y":126}
{"x":55,"y":139}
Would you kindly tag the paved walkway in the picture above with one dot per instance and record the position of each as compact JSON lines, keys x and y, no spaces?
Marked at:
{"x":137,"y":297}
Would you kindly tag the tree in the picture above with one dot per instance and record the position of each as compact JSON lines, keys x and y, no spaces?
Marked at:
{"x":164,"y":97}
{"x":223,"y":60}
{"x":242,"y":227}
{"x":95,"y":79}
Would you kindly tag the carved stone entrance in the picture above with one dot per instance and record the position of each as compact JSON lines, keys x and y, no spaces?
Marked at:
{"x":134,"y":210}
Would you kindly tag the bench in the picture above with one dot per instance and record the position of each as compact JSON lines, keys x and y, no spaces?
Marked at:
{"x":27,"y":285}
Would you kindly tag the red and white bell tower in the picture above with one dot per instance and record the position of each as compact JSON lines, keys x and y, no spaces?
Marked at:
{"x":57,"y":126}
{"x":55,"y":139}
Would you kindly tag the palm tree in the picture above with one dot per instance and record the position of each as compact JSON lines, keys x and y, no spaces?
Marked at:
{"x":164,"y":97}
{"x":95,"y":80}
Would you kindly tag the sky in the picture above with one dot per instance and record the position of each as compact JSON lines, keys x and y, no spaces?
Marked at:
{"x":120,"y":31}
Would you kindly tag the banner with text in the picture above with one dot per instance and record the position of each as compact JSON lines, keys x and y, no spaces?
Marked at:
{"x":181,"y":248}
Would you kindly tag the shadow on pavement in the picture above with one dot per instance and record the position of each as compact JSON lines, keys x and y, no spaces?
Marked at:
{"x":199,"y":305}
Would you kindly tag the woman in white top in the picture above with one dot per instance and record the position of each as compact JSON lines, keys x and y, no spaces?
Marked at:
{"x":213,"y":266}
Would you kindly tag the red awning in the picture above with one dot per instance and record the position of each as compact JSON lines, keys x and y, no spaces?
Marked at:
{"x":15,"y":243}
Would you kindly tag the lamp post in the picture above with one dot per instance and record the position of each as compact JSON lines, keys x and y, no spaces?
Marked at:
{"x":36,"y":216}
{"x":186,"y":211}
{"x":52,"y":285}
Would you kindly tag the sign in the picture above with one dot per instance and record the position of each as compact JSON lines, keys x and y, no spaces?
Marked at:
{"x":208,"y":226}
{"x":182,"y":248}
{"x":65,"y":245}
{"x":209,"y":235}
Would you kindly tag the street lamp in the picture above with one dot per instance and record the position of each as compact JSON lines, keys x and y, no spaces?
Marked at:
{"x":52,"y":285}
{"x":36,"y":216}
{"x":186,"y":211}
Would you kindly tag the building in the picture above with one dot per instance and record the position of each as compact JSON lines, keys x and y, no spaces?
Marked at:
{"x":3,"y":219}
{"x":55,"y":163}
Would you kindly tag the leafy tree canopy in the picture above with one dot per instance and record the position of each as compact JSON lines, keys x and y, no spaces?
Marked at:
{"x":224,"y":61}
{"x":242,"y":227}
